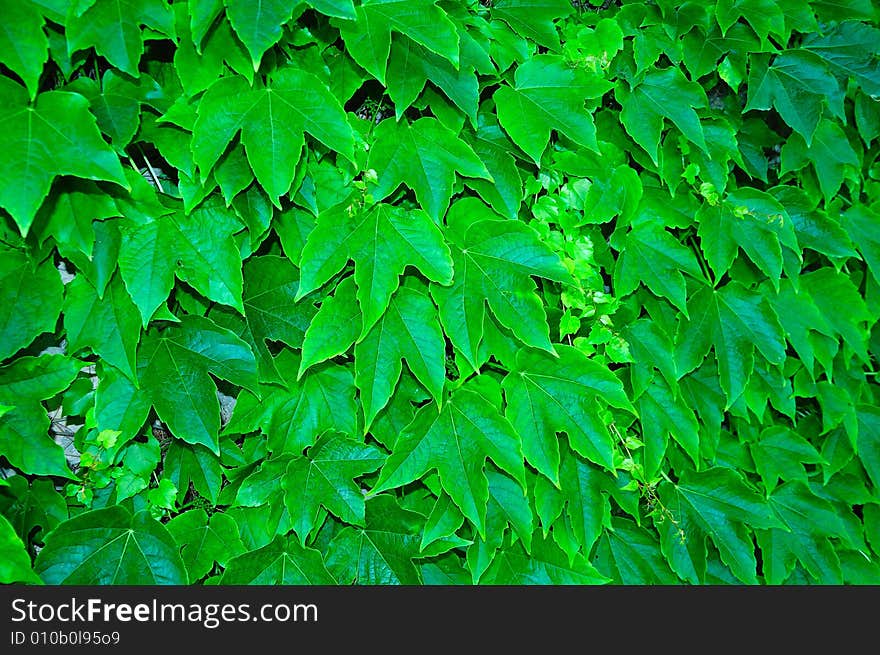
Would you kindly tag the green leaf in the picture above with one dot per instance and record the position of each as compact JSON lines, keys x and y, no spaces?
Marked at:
{"x":334,"y":328}
{"x":830,"y":153}
{"x":282,"y":562}
{"x":324,"y":477}
{"x":31,"y":379}
{"x":662,"y":93}
{"x":630,"y":555}
{"x":15,"y":563}
{"x":173,"y":369}
{"x":548,"y":95}
{"x":197,"y":249}
{"x":113,"y":27}
{"x":508,"y":505}
{"x":807,"y":523}
{"x":798,"y":85}
{"x":456,"y":442}
{"x":382,"y":242}
{"x":404,"y":153}
{"x":204,"y":541}
{"x":272,"y":311}
{"x":368,"y":37}
{"x":380,"y":553}
{"x":861,"y":223}
{"x":850,"y":49}
{"x":293,"y":415}
{"x":734,"y":322}
{"x":781,"y":454}
{"x":111,"y":546}
{"x":337,"y":8}
{"x":24,"y":316}
{"x":195,"y":465}
{"x":546,"y":395}
{"x":258,"y":25}
{"x":533,"y":19}
{"x":765,"y":16}
{"x":547,"y":564}
{"x":652,"y":256}
{"x":272,"y":122}
{"x":493,"y":261}
{"x":120,"y":405}
{"x":25,"y":443}
{"x":868,"y":442}
{"x":70,"y":214}
{"x":109,"y":325}
{"x":663,"y":414}
{"x":71,"y":145}
{"x":412,"y":65}
{"x":409,"y":330}
{"x":24,"y":47}
{"x":720,"y":504}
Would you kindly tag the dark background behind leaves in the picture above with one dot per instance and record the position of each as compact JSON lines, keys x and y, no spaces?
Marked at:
{"x":414,"y":291}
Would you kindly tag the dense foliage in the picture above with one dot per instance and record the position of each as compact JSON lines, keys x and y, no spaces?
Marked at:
{"x":629,"y":253}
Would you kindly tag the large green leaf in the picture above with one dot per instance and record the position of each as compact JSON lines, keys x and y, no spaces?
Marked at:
{"x":56,"y":136}
{"x":111,"y":546}
{"x":456,"y":441}
{"x":798,"y":84}
{"x":195,"y":248}
{"x":404,"y":153}
{"x":272,"y":121}
{"x":368,"y":37}
{"x":283,"y":561}
{"x":382,"y":242}
{"x":734,"y":322}
{"x":24,"y":47}
{"x":548,"y":95}
{"x":546,"y":564}
{"x":259,"y":24}
{"x":113,"y":27}
{"x":718,"y":503}
{"x":174,"y":366}
{"x":380,"y":553}
{"x":205,"y":540}
{"x":324,"y":477}
{"x":546,"y":395}
{"x":409,"y":330}
{"x":109,"y":325}
{"x":662,"y":93}
{"x":493,"y":261}
{"x":15,"y":563}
